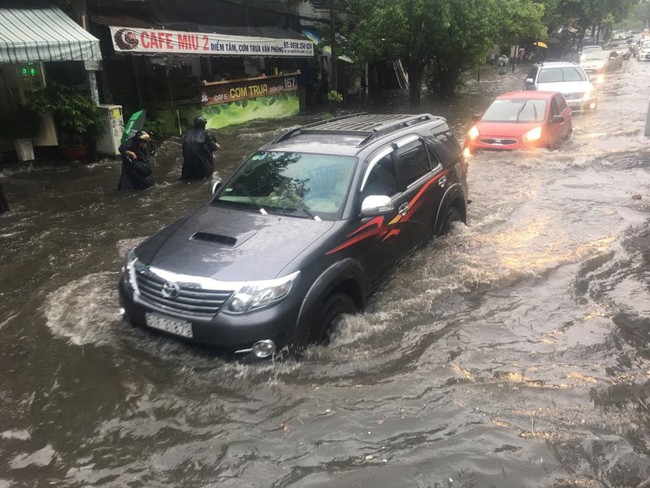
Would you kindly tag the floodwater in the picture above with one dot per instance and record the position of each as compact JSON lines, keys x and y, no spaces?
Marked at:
{"x":514,"y":352}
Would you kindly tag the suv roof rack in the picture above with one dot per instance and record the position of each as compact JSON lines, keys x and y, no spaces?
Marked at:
{"x":362,"y":124}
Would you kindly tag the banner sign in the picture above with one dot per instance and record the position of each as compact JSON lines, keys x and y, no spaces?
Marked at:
{"x":225,"y":92}
{"x":149,"y":41}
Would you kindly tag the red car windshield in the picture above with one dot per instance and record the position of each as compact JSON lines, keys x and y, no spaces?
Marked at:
{"x":517,"y":110}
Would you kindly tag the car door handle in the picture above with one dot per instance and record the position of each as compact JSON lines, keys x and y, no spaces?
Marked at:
{"x":403,"y":208}
{"x":442,"y":181}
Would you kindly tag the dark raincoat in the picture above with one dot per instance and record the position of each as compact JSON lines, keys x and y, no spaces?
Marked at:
{"x":198,"y":161}
{"x":135,"y":173}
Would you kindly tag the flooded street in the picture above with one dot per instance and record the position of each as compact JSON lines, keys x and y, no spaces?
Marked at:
{"x":514,"y":352}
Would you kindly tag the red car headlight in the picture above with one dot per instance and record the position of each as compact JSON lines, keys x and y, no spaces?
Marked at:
{"x":473,"y":133}
{"x":532,"y":135}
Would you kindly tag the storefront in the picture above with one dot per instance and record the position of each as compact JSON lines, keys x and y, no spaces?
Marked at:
{"x":34,"y":42}
{"x":229,"y":79}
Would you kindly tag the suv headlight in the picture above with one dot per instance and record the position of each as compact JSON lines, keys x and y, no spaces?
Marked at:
{"x":257,"y":294}
{"x":128,"y":270}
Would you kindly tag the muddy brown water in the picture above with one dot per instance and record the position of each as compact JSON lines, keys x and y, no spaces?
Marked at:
{"x":514,"y":352}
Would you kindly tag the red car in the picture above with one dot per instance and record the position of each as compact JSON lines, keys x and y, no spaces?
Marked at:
{"x":521,"y":120}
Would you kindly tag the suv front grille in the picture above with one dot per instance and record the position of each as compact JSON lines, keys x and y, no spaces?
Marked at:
{"x":191,"y":298}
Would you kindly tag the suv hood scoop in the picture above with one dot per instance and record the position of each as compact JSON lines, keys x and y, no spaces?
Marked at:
{"x":230,"y":241}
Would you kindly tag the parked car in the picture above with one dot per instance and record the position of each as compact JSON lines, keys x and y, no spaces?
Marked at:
{"x":587,"y":41}
{"x":521,"y":120}
{"x":644,"y":50}
{"x":591,"y":47}
{"x":567,"y":78}
{"x":621,"y":47}
{"x":597,"y":63}
{"x":301,"y":234}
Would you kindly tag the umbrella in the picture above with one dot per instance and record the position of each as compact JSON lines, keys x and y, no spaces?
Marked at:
{"x":541,"y":44}
{"x":135,"y":123}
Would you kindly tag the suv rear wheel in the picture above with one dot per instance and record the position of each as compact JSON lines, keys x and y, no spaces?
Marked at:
{"x":452,"y":215}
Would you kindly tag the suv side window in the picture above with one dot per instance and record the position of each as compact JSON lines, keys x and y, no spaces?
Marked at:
{"x":382,"y":179}
{"x":413,"y":162}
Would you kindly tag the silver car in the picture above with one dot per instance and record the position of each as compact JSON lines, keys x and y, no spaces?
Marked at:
{"x":567,"y":78}
{"x":597,"y":63}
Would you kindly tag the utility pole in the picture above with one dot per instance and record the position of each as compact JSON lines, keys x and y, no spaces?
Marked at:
{"x":333,"y":58}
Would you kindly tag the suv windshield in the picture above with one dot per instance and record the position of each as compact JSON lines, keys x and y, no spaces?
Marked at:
{"x":559,"y":75}
{"x":291,"y":183}
{"x":515,"y":110}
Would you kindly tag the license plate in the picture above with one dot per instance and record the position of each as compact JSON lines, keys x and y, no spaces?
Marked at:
{"x":173,"y":326}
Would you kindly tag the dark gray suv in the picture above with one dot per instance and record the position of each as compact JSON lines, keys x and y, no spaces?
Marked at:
{"x":301,"y":233}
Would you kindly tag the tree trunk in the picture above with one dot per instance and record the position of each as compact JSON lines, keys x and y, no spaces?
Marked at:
{"x":415,"y":82}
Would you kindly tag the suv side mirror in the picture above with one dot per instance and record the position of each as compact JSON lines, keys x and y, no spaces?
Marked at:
{"x":557,"y":119}
{"x":530,"y":81}
{"x":215,"y":186}
{"x":376,"y":205}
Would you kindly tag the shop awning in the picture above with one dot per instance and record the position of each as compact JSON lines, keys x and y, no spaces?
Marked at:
{"x":44,"y":34}
{"x":327,"y":50}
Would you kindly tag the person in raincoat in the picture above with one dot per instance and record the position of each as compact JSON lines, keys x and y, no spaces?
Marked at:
{"x":136,"y":172}
{"x":198,"y":145}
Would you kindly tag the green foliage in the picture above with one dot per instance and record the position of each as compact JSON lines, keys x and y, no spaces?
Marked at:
{"x":637,"y":17}
{"x":334,"y":96}
{"x":20,"y":123}
{"x":73,"y":112}
{"x":588,"y":13}
{"x":447,"y":36}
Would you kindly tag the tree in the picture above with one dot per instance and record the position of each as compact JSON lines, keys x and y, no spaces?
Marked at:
{"x":447,"y":36}
{"x":589,"y":14}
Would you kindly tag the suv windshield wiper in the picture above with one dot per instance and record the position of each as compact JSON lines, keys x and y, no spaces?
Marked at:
{"x":302,"y":207}
{"x":251,"y":199}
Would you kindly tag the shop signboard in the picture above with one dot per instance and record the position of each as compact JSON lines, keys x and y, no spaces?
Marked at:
{"x":163,"y":41}
{"x":236,"y":90}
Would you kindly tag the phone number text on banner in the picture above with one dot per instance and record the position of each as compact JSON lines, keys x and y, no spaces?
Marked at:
{"x":126,"y":39}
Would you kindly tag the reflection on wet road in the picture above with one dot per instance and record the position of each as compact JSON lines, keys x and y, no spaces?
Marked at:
{"x":514,"y":352}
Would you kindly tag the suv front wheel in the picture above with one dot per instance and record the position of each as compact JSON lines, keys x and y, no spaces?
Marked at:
{"x":330,"y":314}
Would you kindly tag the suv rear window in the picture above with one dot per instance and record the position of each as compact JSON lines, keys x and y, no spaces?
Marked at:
{"x":558,"y":75}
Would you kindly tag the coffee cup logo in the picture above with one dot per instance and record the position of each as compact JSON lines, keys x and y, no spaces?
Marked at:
{"x":126,"y":39}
